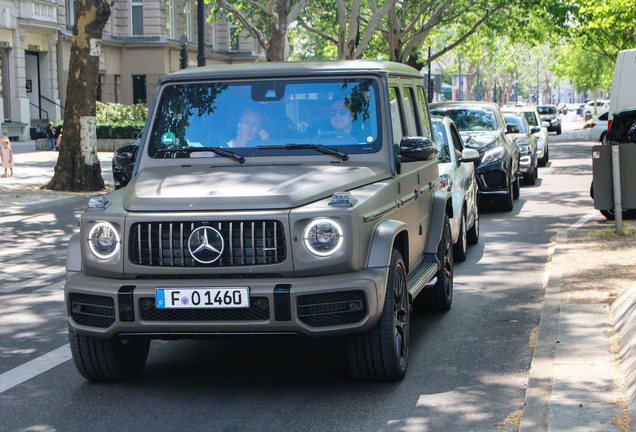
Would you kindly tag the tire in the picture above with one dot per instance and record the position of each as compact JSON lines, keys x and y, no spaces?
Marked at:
{"x":473,"y":233}
{"x":611,"y":214}
{"x":440,"y":297}
{"x":382,"y":353}
{"x":603,"y":138}
{"x":508,"y":200}
{"x":559,"y":131}
{"x":107,"y":359}
{"x":532,"y":178}
{"x":459,"y":248}
{"x":544,"y":160}
{"x":516,"y":188}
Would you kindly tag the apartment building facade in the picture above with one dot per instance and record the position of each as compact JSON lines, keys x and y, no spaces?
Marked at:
{"x":141,"y":44}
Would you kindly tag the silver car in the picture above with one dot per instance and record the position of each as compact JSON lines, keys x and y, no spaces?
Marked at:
{"x":457,"y":172}
{"x":534,"y":119}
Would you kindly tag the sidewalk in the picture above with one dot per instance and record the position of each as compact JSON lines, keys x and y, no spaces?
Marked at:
{"x":33,"y":169}
{"x":583,"y":371}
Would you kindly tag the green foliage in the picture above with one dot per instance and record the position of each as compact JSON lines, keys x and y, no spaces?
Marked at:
{"x":119,"y":131}
{"x":589,"y":70}
{"x":115,"y":113}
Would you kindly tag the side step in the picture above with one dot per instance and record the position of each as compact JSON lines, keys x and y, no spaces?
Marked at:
{"x":422,"y":275}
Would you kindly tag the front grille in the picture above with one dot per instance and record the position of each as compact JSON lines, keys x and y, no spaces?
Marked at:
{"x":494,"y":179}
{"x":321,"y":310}
{"x":258,"y":311}
{"x":91,"y":310}
{"x":246,"y":243}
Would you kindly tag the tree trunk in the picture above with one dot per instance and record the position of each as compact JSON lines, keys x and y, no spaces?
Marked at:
{"x":276,"y":50}
{"x":78,"y":167}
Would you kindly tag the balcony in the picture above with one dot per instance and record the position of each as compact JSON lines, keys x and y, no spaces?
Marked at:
{"x":39,"y":10}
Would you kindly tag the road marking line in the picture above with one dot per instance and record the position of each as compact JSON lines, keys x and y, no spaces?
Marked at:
{"x":35,"y":367}
{"x":578,"y":224}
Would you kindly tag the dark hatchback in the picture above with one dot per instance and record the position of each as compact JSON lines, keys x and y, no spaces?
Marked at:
{"x":551,"y":118}
{"x":483,"y":128}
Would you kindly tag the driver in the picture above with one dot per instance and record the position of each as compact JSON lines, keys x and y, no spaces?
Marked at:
{"x":341,"y":117}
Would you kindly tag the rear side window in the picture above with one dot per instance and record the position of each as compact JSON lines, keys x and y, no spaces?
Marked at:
{"x":396,"y":115}
{"x":623,"y":129}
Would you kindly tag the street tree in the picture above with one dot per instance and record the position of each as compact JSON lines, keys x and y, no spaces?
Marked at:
{"x":78,"y":167}
{"x":266,"y":21}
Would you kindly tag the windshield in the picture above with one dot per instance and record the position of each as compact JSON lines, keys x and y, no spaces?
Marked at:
{"x":531,"y":118}
{"x":517,"y":120}
{"x":550,"y":109}
{"x":441,"y":142}
{"x":468,"y":119}
{"x":258,"y":117}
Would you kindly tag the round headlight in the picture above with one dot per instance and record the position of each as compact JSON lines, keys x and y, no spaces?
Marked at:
{"x":323,"y":237}
{"x":103,"y":240}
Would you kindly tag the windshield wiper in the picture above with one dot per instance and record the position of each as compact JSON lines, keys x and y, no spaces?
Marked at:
{"x":343,"y":156}
{"x":216,"y":150}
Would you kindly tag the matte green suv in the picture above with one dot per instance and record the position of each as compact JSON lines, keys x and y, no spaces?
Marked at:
{"x":295,"y":198}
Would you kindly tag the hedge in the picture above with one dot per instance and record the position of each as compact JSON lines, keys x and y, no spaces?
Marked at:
{"x":114,"y":131}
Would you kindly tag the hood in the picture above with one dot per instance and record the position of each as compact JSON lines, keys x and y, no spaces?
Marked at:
{"x":255,"y":187}
{"x":479,"y":140}
{"x":548,"y":116}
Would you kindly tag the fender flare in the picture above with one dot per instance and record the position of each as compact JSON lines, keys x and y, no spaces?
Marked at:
{"x":382,"y":243}
{"x":442,"y":205}
{"x":74,"y":254}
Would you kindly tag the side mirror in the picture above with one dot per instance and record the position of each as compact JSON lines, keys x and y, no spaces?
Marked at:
{"x":417,"y":149}
{"x":470,"y":155}
{"x":512,"y":128}
{"x":535,"y":129}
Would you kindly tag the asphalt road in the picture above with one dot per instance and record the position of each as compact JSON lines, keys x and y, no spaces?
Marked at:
{"x":468,"y":368}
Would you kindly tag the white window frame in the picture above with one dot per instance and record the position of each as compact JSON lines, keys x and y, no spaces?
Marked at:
{"x":187,"y":17}
{"x":70,"y":13}
{"x":135,"y":5}
{"x":170,"y":21}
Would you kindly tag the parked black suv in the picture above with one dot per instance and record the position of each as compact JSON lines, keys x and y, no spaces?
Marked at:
{"x":483,"y":128}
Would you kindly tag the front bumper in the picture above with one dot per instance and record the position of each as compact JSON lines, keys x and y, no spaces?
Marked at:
{"x":525,"y":163}
{"x":313,"y":306}
{"x":492,"y":179}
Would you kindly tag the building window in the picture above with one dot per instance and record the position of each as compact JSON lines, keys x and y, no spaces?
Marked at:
{"x":117,"y":86}
{"x":101,"y":85}
{"x":70,"y":13}
{"x":170,"y":28}
{"x":139,"y":89}
{"x":137,"y":17}
{"x":187,"y":20}
{"x":234,"y":38}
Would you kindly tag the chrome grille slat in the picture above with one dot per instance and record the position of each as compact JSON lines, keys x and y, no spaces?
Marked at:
{"x":247,"y":243}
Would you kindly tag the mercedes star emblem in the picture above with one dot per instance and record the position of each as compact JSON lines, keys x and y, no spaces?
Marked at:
{"x":206,"y":245}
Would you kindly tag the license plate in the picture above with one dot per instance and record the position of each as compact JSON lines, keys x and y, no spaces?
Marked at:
{"x":202,"y":298}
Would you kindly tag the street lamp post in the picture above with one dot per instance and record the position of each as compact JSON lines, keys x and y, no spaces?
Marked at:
{"x":200,"y":34}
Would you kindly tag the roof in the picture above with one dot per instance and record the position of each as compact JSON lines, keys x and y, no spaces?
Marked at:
{"x":289,"y":69}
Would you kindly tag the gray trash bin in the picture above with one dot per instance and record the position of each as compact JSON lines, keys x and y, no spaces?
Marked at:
{"x":602,"y":176}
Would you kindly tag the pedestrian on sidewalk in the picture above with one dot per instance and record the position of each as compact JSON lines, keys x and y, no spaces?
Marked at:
{"x":6,"y":154}
{"x":50,"y":135}
{"x":59,"y":139}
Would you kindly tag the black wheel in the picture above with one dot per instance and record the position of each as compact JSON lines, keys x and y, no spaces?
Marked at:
{"x":603,"y":139}
{"x":559,"y":131}
{"x":107,"y":359}
{"x":382,"y":353}
{"x":473,"y":233}
{"x":516,"y":187}
{"x":459,"y":248}
{"x":508,"y":200}
{"x":440,"y":297}
{"x":531,"y":179}
{"x":625,"y":214}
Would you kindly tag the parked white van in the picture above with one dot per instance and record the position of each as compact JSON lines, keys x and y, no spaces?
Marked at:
{"x":623,"y":89}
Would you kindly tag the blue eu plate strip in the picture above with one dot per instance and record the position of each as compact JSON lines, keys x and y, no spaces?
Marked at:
{"x":161,"y":300}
